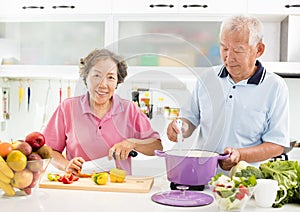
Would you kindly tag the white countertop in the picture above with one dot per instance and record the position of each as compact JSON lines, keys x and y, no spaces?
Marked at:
{"x":51,"y":200}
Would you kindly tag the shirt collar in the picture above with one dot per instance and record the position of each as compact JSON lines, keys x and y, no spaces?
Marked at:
{"x":256,"y":78}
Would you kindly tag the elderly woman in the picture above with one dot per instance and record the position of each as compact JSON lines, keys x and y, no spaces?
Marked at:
{"x":99,"y":123}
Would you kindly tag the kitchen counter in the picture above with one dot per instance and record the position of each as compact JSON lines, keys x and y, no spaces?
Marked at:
{"x":49,"y":200}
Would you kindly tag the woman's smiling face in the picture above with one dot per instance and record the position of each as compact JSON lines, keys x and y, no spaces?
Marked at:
{"x":102,"y":81}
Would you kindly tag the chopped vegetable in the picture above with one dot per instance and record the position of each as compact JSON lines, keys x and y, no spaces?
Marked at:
{"x":117,"y":175}
{"x":67,"y":178}
{"x":248,"y":171}
{"x":232,"y":193}
{"x":53,"y":177}
{"x":238,"y":167}
{"x":100,"y":178}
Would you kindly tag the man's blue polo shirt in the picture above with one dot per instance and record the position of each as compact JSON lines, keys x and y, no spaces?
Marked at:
{"x":242,"y":114}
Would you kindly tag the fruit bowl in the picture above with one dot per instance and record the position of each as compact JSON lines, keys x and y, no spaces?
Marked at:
{"x":25,"y":177}
{"x":232,"y":199}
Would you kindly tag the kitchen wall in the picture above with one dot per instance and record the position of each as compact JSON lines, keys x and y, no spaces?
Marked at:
{"x":44,"y":98}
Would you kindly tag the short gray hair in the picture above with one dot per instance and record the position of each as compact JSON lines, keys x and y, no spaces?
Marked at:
{"x":239,"y":22}
{"x":97,"y":55}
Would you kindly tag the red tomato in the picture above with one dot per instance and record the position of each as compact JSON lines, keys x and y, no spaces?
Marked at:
{"x":243,"y":189}
{"x":240,"y":195}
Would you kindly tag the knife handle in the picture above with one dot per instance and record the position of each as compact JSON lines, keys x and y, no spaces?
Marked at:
{"x":132,"y":153}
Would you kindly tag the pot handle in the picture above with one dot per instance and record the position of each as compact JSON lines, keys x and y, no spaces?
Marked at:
{"x":160,"y":153}
{"x":223,"y":156}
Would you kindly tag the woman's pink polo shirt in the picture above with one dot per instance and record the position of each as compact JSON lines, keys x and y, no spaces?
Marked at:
{"x":74,"y":127}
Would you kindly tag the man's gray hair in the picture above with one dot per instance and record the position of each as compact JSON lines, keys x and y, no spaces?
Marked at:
{"x":239,"y":22}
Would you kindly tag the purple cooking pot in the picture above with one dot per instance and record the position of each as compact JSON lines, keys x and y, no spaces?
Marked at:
{"x":191,"y":167}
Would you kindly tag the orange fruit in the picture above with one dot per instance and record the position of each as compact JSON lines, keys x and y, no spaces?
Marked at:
{"x":5,"y":148}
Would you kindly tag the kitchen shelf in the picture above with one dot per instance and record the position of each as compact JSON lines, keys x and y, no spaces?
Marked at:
{"x":63,"y":72}
{"x":148,"y":73}
{"x":284,"y":69}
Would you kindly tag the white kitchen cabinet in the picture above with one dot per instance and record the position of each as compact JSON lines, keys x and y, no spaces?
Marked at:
{"x":213,"y":6}
{"x":80,"y":6}
{"x":169,"y":43}
{"x":40,"y":8}
{"x":50,"y":42}
{"x":144,"y":6}
{"x":274,"y":7}
{"x":179,"y":6}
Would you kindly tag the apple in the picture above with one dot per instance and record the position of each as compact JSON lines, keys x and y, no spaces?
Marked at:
{"x":35,"y":140}
{"x":27,"y":190}
{"x":22,"y":179}
{"x":34,"y":162}
{"x":35,"y":180}
{"x":22,"y":146}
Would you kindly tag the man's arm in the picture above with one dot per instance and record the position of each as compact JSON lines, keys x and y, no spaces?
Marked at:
{"x":253,"y":154}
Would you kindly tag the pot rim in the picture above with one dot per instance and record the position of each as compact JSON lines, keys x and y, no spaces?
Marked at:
{"x":189,"y":153}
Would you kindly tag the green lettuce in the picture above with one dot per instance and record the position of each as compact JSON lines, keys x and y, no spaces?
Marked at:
{"x":287,"y":173}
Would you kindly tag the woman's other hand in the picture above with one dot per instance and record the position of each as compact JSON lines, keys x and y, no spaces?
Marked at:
{"x":74,"y":165}
{"x":120,"y":151}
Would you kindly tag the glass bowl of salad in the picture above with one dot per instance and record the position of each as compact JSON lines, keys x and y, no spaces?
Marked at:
{"x":232,"y":194}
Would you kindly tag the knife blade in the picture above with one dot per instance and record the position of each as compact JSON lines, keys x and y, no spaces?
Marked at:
{"x":101,"y":164}
{"x":97,"y":165}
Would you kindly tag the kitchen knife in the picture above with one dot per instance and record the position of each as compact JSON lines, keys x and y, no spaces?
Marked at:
{"x":101,"y":164}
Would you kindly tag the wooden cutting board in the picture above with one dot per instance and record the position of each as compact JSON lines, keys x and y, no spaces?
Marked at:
{"x":132,"y":184}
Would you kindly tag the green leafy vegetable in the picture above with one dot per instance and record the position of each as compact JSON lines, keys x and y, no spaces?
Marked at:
{"x":249,"y":171}
{"x":287,"y":173}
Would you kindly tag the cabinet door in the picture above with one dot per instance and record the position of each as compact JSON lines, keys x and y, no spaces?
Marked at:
{"x":16,"y":8}
{"x":32,"y":8}
{"x":144,"y":6}
{"x":52,"y":43}
{"x":213,"y":6}
{"x":169,"y":43}
{"x":275,"y":7}
{"x":80,"y":6}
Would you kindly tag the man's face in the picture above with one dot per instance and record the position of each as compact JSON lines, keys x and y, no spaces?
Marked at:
{"x":237,"y":55}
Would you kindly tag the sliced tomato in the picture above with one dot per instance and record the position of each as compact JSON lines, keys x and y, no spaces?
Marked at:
{"x":243,"y":189}
{"x":68,"y":178}
{"x":240,"y":195}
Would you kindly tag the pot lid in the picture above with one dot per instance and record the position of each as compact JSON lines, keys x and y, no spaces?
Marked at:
{"x":182,"y":199}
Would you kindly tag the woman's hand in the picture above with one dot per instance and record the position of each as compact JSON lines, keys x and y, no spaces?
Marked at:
{"x":121,"y":150}
{"x":74,"y":165}
{"x":234,"y":158}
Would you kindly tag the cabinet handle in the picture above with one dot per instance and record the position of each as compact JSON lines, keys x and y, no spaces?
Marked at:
{"x":161,"y":5}
{"x":63,"y":6}
{"x":32,"y":7}
{"x":195,"y":5}
{"x":292,"y":5}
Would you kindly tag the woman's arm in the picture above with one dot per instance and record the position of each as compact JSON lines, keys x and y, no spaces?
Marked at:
{"x":146,"y":146}
{"x":61,"y":163}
